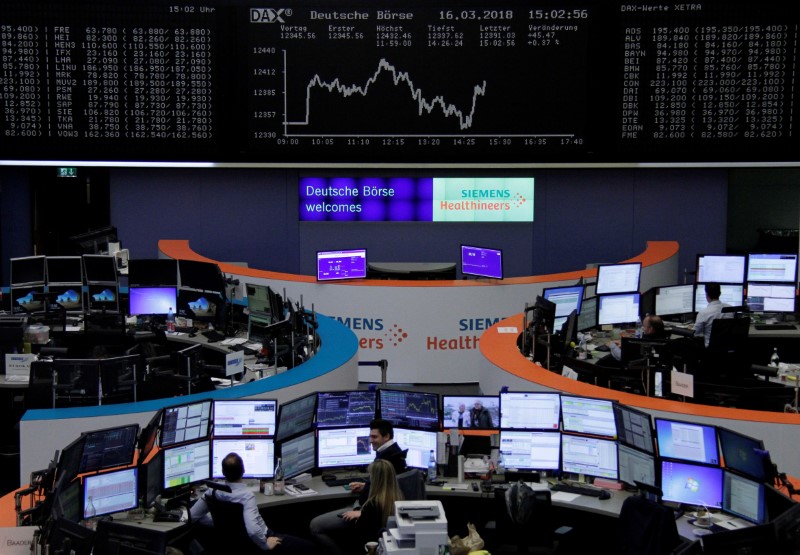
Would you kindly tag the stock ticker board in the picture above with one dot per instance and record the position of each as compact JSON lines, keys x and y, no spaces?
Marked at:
{"x":388,"y":82}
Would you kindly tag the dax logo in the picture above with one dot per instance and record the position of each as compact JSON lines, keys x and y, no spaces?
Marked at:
{"x":268,"y":15}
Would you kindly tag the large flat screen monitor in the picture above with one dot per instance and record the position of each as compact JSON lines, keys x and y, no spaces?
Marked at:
{"x":64,"y":269}
{"x":720,"y":268}
{"x":587,"y":319}
{"x":770,"y":297}
{"x":566,"y":300}
{"x":27,"y":298}
{"x":481,"y":262}
{"x":343,"y":264}
{"x":419,"y":443}
{"x":299,"y":454}
{"x":257,"y":453}
{"x":245,"y":417}
{"x":636,"y":466}
{"x":69,"y":463}
{"x":591,"y":456}
{"x":145,"y":301}
{"x":258,"y":299}
{"x":337,"y":448}
{"x":27,"y":270}
{"x":586,"y":415}
{"x":100,"y":268}
{"x":618,"y":278}
{"x":634,"y":428}
{"x":527,"y":450}
{"x":200,"y":306}
{"x":153,"y":272}
{"x":102,"y":298}
{"x":470,"y":411}
{"x":691,"y":484}
{"x":203,"y":276}
{"x":687,"y":441}
{"x":68,"y":502}
{"x":732,"y":295}
{"x":675,"y":299}
{"x":618,"y":309}
{"x":773,"y":268}
{"x":412,"y":409}
{"x":187,"y":422}
{"x":745,"y":455}
{"x":69,"y":297}
{"x":109,"y":448}
{"x":345,"y":408}
{"x":151,"y":478}
{"x":744,"y":498}
{"x":296,"y":416}
{"x":530,"y":410}
{"x":187,"y":464}
{"x":111,"y":492}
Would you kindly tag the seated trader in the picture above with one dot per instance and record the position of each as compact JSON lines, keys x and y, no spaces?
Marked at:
{"x":328,"y":527}
{"x":652,"y":328}
{"x":712,"y":311}
{"x":263,"y":537}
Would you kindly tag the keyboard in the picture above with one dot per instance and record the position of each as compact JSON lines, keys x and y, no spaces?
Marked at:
{"x":213,"y":336}
{"x":186,"y":329}
{"x":777,"y":327}
{"x":582,"y":490}
{"x":342,"y":481}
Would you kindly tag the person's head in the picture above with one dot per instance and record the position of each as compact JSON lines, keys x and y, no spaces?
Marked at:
{"x":653,"y":325}
{"x":478,"y":404}
{"x":462,"y":407}
{"x":713,"y":291}
{"x":380,"y":431}
{"x":232,"y":467}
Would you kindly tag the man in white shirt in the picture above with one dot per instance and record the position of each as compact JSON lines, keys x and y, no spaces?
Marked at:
{"x":702,"y":325}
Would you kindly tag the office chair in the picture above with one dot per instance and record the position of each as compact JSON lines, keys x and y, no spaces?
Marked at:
{"x":412,"y":484}
{"x":646,"y":528}
{"x":230,"y":534}
{"x":726,"y":353}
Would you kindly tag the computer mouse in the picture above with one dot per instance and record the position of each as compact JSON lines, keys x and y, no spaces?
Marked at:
{"x":605,"y":494}
{"x":192,"y":335}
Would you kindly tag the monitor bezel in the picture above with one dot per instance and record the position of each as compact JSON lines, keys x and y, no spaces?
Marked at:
{"x":598,"y":292}
{"x":41,"y":259}
{"x":243,"y":402}
{"x":611,"y":405}
{"x":77,"y":260}
{"x":217,"y":442}
{"x":556,"y":467}
{"x":325,"y":431}
{"x":709,"y":467}
{"x":279,"y":436}
{"x":495,"y":398}
{"x":297,"y":437}
{"x":658,"y":293}
{"x":99,"y":476}
{"x":208,"y":434}
{"x":600,"y":300}
{"x":534,"y":393}
{"x":433,"y":396}
{"x":342,"y":251}
{"x":606,"y":440}
{"x":672,"y":456}
{"x":487,"y":249}
{"x":749,"y":278}
{"x":95,"y":259}
{"x":320,"y":425}
{"x":84,"y":470}
{"x":167,"y":289}
{"x":741,"y":281}
{"x":167,"y":489}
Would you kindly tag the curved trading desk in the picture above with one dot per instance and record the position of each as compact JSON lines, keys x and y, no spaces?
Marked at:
{"x":427,"y":330}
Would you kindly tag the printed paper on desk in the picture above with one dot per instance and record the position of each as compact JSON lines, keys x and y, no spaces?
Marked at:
{"x":234,"y":363}
{"x":19,"y":364}
{"x":568,"y":372}
{"x":682,"y":384}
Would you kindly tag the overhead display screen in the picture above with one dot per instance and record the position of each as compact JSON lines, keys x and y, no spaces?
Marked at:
{"x":328,"y":81}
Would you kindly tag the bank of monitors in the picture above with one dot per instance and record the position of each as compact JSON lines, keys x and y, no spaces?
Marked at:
{"x":691,"y":484}
{"x":771,"y":297}
{"x":186,"y":464}
{"x":64,"y":270}
{"x":343,"y":447}
{"x":634,"y":428}
{"x":199,"y":306}
{"x":687,"y":441}
{"x":245,"y":417}
{"x":471,"y":411}
{"x":299,"y":454}
{"x":591,"y":456}
{"x":618,"y":278}
{"x":531,"y":450}
{"x":108,"y":448}
{"x":345,"y":408}
{"x":98,"y":268}
{"x":636,"y":466}
{"x":713,"y":268}
{"x":411,"y":409}
{"x":529,"y":410}
{"x":732,"y":294}
{"x":481,"y":262}
{"x":745,"y":455}
{"x":586,"y":415}
{"x":110,"y":492}
{"x":419,"y":443}
{"x":153,"y":272}
{"x":744,"y":498}
{"x":621,"y":308}
{"x":587,"y":319}
{"x":296,"y":417}
{"x":675,"y":300}
{"x":257,"y":453}
{"x":341,"y":264}
{"x":147,"y":301}
{"x":188,"y":422}
{"x":566,"y":300}
{"x":772,"y":268}
{"x":202,"y":276}
{"x":28,"y":270}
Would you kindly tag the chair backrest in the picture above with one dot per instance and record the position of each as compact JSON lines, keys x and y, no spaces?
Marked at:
{"x":728,"y":335}
{"x":646,"y":528}
{"x":232,"y":536}
{"x":412,"y":484}
{"x":523,"y":502}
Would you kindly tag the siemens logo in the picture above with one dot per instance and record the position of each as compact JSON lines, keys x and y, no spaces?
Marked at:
{"x":477,"y":324}
{"x":486,"y":193}
{"x":367,"y":324}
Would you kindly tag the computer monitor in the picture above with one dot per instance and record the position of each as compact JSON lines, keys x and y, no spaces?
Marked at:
{"x":27,"y":270}
{"x":745,"y":454}
{"x":299,"y":454}
{"x":675,"y":300}
{"x":639,"y":348}
{"x":636,"y":466}
{"x":587,"y":319}
{"x":591,"y":456}
{"x":28,"y":298}
{"x":102,"y":298}
{"x":153,"y":272}
{"x":109,"y":448}
{"x":343,"y":447}
{"x":469,"y":417}
{"x":296,"y":417}
{"x":65,"y":534}
{"x":151,"y":478}
{"x":187,"y":422}
{"x":245,"y":417}
{"x":199,"y":306}
{"x":618,"y":278}
{"x":543,"y":315}
{"x":729,"y":294}
{"x":64,"y":270}
{"x":67,"y":502}
{"x":345,"y":408}
{"x":412,"y":409}
{"x":529,"y":410}
{"x":529,"y":450}
{"x":744,"y":498}
{"x":687,"y":441}
{"x":69,"y":463}
{"x":634,"y":428}
{"x":771,"y":297}
{"x":618,"y":309}
{"x":586,"y":415}
{"x":202,"y":276}
{"x":691,"y":484}
{"x":566,"y":300}
{"x":258,"y":299}
{"x":773,"y":268}
{"x":111,"y":492}
{"x":720,"y":268}
{"x":481,"y":262}
{"x":145,"y":301}
{"x":187,"y":464}
{"x":100,"y":268}
{"x":257,"y":453}
{"x":419,"y":444}
{"x":69,"y":297}
{"x":341,"y":264}
{"x":149,"y":435}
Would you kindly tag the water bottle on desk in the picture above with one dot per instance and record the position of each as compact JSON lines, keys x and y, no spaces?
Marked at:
{"x":774,"y":360}
{"x":279,"y":486}
{"x":639,"y":328}
{"x":432,"y":466}
{"x":170,"y":320}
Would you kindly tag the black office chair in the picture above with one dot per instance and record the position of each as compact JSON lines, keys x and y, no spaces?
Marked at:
{"x":230,"y":534}
{"x":726,"y":354}
{"x":412,"y":484}
{"x":646,"y":528}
